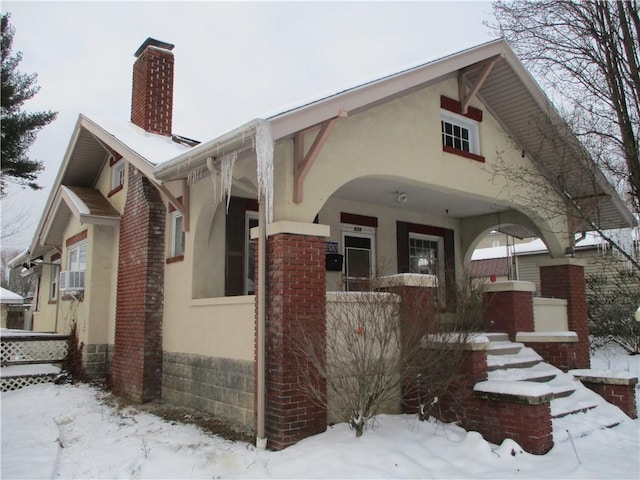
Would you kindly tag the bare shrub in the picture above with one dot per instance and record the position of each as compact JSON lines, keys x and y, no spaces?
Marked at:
{"x":388,"y":349}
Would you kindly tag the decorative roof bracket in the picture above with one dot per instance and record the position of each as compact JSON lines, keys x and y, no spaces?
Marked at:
{"x":466,"y":97}
{"x":302,"y":163}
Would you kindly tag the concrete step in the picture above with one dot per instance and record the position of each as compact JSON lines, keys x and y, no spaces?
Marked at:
{"x":525,"y":358}
{"x":540,"y":372}
{"x":497,"y":337}
{"x":504,"y":348}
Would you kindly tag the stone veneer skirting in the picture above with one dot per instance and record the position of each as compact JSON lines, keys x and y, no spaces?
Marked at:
{"x":220,"y":386}
{"x":96,"y":360}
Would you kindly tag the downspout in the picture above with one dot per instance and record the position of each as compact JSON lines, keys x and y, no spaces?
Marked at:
{"x":261,"y":441}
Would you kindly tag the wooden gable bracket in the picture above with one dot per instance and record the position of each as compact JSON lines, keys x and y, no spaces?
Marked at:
{"x":111,"y":151}
{"x":466,"y":97}
{"x":302,"y":163}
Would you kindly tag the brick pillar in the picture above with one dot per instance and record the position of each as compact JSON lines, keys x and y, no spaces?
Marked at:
{"x":564,"y":278}
{"x":509,"y":307}
{"x":137,"y":359}
{"x":418,"y":308}
{"x":295,"y":303}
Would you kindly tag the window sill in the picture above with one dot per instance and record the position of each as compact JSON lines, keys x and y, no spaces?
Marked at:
{"x":462,"y":153}
{"x":115,"y":190}
{"x":52,"y":302}
{"x":177,"y":258}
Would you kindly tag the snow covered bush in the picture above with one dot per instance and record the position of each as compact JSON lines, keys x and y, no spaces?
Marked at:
{"x":612,"y":301}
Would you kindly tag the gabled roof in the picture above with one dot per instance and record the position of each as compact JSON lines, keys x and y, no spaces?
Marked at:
{"x":509,"y":92}
{"x":74,"y":193}
{"x":10,"y":298}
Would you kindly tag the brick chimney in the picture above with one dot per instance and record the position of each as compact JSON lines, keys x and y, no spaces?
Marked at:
{"x":152,"y":92}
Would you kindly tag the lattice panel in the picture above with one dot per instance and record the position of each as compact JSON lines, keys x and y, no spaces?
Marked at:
{"x":15,"y":383}
{"x":35,"y":350}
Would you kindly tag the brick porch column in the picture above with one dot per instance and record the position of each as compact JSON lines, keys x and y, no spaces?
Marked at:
{"x":509,"y":307}
{"x":295,"y":303}
{"x":137,"y":359}
{"x":564,"y":278}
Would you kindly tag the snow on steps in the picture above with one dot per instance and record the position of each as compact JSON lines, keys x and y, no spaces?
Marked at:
{"x":574,"y":408}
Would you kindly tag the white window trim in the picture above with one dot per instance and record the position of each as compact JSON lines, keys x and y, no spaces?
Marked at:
{"x":471,"y":125}
{"x":54,"y":280}
{"x":441,"y":266}
{"x":350,"y":230}
{"x":117,"y":174}
{"x":76,"y":247}
{"x":249,"y":215}
{"x":174,"y":234}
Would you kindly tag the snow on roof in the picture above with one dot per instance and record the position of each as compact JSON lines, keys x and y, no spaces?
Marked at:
{"x":151,"y":146}
{"x":591,"y":239}
{"x":9,"y":297}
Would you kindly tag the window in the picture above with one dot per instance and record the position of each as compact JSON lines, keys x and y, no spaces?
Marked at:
{"x":53,"y":286}
{"x":359,"y":256}
{"x":250,"y":253}
{"x":77,"y":258}
{"x":426,"y":258}
{"x":117,"y":174}
{"x":177,"y":243}
{"x":459,"y":133}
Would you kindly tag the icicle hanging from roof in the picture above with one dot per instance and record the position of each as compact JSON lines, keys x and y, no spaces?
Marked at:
{"x":264,"y":153}
{"x":226,"y":176}
{"x":215,"y":173}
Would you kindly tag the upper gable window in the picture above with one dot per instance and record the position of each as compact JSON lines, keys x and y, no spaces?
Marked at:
{"x":460,"y":132}
{"x":117,"y":174}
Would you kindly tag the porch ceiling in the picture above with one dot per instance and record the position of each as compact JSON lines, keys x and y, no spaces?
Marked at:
{"x":385,"y":192}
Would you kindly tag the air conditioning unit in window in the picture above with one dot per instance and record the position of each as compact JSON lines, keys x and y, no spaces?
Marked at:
{"x":72,"y":280}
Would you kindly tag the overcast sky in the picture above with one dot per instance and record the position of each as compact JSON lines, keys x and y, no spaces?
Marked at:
{"x":234,"y":61}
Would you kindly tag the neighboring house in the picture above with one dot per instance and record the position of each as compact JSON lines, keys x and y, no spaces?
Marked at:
{"x":11,"y":317}
{"x":145,"y":244}
{"x":520,"y":261}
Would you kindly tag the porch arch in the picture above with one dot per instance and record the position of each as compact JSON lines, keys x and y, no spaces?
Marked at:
{"x":474,"y":229}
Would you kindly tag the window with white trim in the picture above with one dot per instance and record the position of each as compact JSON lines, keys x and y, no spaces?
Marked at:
{"x":251,"y":221}
{"x":426,"y":256}
{"x":77,"y":258}
{"x":459,"y":132}
{"x":177,"y":236}
{"x":54,"y":282}
{"x":117,"y":174}
{"x":359,"y":250}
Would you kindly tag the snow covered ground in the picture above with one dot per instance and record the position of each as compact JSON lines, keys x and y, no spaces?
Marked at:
{"x":51,"y":431}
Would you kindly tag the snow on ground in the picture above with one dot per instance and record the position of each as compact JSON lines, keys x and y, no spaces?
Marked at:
{"x":66,"y":431}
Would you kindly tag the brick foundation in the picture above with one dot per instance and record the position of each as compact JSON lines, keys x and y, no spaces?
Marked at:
{"x":137,"y":360}
{"x":509,"y":308}
{"x":561,"y":355}
{"x":564,"y":278}
{"x":295,"y":303}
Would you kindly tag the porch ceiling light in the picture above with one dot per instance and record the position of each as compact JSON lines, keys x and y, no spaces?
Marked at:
{"x":401,"y":197}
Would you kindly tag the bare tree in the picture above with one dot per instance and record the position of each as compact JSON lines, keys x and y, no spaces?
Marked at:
{"x":383,"y":352}
{"x":587,"y":54}
{"x":13,"y":222}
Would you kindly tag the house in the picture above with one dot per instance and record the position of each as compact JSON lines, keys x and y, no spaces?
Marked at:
{"x":11,"y":318}
{"x":522,"y":258}
{"x":146,"y":245}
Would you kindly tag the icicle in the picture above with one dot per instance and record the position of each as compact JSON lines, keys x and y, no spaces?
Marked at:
{"x":264,"y":153}
{"x":214,"y":176}
{"x":195,"y":175}
{"x":226,"y":176}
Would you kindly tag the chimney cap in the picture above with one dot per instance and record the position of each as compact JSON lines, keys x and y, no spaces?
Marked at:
{"x":152,"y":42}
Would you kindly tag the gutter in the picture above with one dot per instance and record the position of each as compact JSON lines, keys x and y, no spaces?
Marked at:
{"x":179,"y":167}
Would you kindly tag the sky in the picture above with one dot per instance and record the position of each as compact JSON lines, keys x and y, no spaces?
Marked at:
{"x":234,"y":61}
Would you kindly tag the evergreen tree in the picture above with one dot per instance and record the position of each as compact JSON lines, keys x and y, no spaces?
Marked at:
{"x":19,"y":128}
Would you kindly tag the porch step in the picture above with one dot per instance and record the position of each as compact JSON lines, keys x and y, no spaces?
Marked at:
{"x":497,"y":337}
{"x":504,"y":347}
{"x":525,"y":358}
{"x":15,"y":377}
{"x":576,"y":411}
